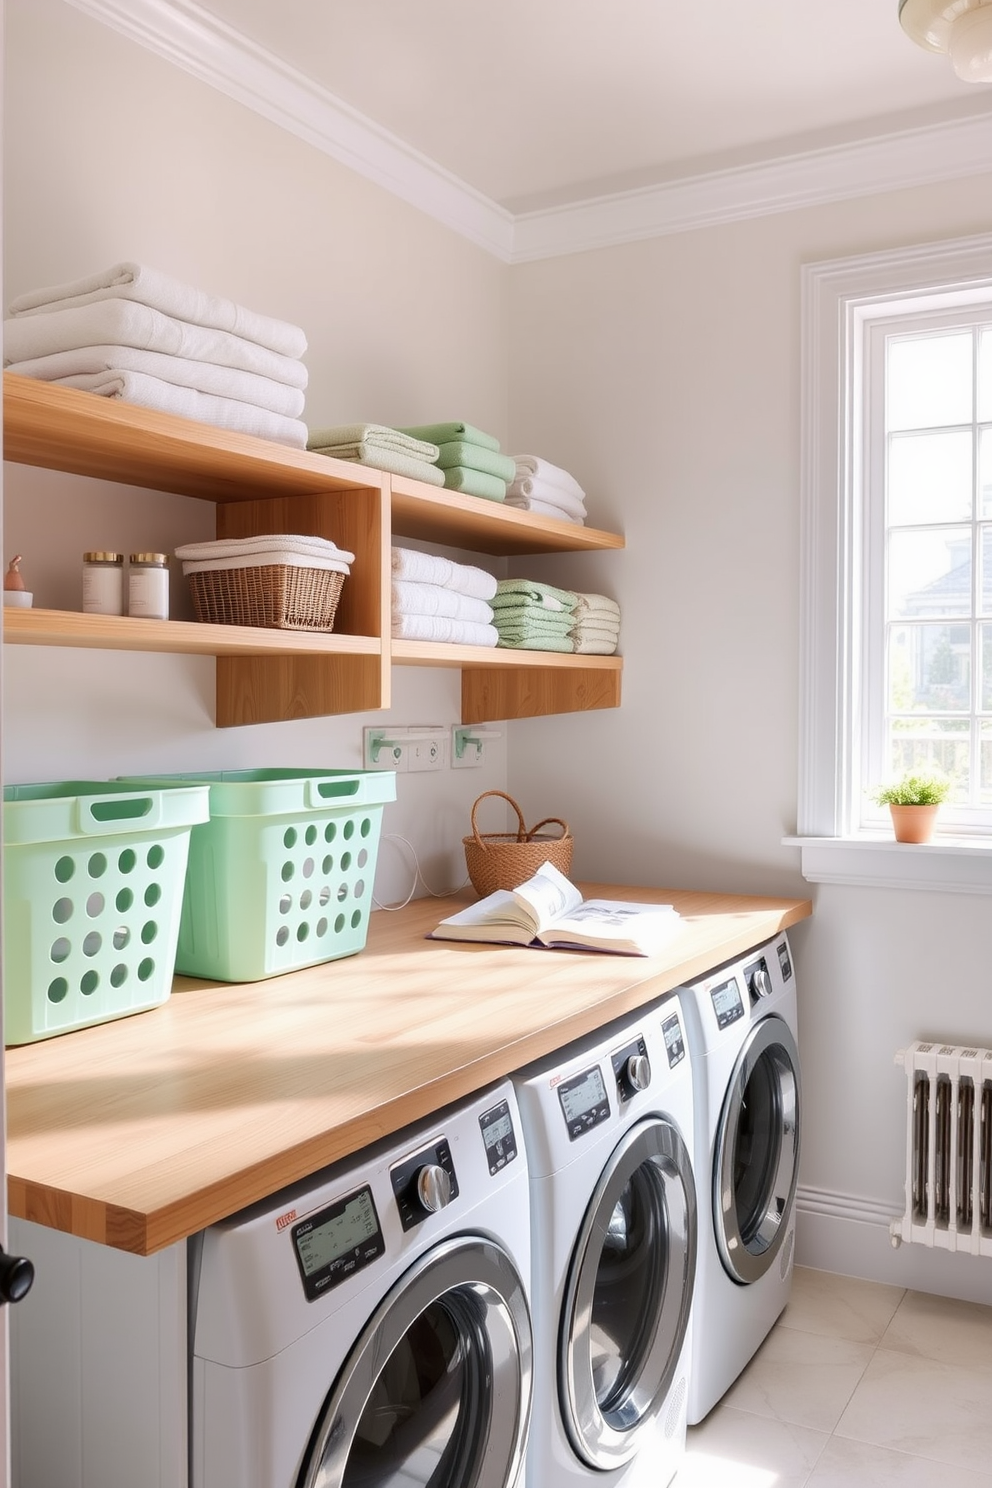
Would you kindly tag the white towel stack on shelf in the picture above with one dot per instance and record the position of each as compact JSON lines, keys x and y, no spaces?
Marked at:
{"x":434,"y":599}
{"x":595,"y":625}
{"x":137,"y":334}
{"x":541,"y":487}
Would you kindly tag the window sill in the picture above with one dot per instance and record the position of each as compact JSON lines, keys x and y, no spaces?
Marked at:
{"x":953,"y":865}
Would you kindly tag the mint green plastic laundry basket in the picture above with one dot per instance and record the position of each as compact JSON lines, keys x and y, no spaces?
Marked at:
{"x":93,"y":886}
{"x":280,"y":877}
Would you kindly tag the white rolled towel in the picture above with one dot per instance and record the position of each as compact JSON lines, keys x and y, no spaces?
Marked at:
{"x":203,"y":408}
{"x":440,"y":628}
{"x":589,"y":604}
{"x":205,"y":377}
{"x":529,"y":489}
{"x":431,"y":568}
{"x":133,"y":281}
{"x":543,"y":509}
{"x":534,"y":467}
{"x":431,"y":599}
{"x":117,"y":322}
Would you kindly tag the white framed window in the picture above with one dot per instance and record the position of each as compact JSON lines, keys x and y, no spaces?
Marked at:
{"x":896,"y":567}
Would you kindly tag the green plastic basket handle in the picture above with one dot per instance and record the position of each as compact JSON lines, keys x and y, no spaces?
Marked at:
{"x":319,"y":792}
{"x":103,"y":815}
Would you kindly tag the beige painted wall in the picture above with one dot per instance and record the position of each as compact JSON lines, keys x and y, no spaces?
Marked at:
{"x":665,"y":374}
{"x":112,"y":153}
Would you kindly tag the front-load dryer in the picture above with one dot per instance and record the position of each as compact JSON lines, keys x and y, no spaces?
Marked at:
{"x":370,"y":1327}
{"x":743,"y":1032}
{"x":608,"y":1129}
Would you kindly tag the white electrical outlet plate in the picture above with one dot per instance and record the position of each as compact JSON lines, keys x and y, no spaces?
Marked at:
{"x":414,"y":748}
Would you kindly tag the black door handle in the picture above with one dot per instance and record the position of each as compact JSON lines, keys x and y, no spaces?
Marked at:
{"x":16,"y":1276}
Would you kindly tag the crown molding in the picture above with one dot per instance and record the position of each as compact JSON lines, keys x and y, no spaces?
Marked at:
{"x":187,"y":35}
{"x":915,"y":157}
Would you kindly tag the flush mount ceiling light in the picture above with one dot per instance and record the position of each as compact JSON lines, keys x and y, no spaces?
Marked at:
{"x":962,"y":28}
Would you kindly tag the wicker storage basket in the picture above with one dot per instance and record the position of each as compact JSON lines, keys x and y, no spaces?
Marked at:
{"x":502,"y":860}
{"x":276,"y":596}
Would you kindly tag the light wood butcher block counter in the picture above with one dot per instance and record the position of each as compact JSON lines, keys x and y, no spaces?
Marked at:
{"x":142,"y":1131}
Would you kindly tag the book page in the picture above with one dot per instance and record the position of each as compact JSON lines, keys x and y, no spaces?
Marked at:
{"x":547,"y":896}
{"x":615,"y":923}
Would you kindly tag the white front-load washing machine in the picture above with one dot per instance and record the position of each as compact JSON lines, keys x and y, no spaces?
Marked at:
{"x":608,"y":1128}
{"x":370,"y":1327}
{"x":743,"y":1042}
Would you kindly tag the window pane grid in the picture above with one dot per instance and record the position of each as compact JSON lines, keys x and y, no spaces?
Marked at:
{"x":937,"y":652}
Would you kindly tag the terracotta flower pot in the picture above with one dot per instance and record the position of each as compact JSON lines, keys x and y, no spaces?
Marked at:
{"x":913,"y":823}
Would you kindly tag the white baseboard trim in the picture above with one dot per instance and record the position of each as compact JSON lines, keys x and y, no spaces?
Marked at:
{"x":849,"y":1236}
{"x":187,"y":35}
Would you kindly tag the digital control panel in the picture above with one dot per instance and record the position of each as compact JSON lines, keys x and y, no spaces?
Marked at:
{"x":671,"y":1029}
{"x":728,"y":1004}
{"x":404,"y":1176}
{"x":584,"y":1101}
{"x":784,"y":961}
{"x":498,"y":1136}
{"x":337,"y":1242}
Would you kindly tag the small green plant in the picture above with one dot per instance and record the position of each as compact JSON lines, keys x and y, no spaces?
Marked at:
{"x":914,"y":790}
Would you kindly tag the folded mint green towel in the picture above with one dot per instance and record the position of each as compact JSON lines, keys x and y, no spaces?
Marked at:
{"x":475,"y":483}
{"x":519,"y":620}
{"x":519,"y":591}
{"x":535,"y":643}
{"x":475,"y":457}
{"x":445,"y":433}
{"x":389,"y":460}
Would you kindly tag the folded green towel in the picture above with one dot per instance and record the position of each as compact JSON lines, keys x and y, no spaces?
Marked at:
{"x":533,"y":615}
{"x":393,"y":461}
{"x":340,"y":435}
{"x":475,"y":483}
{"x":526,"y":624}
{"x":535,"y":643}
{"x":475,"y":457}
{"x":533,"y":590}
{"x":445,"y":433}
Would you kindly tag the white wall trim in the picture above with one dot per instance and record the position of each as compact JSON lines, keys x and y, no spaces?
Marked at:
{"x":188,"y":36}
{"x":825,"y":1201}
{"x":835,"y":297}
{"x":911,"y":158}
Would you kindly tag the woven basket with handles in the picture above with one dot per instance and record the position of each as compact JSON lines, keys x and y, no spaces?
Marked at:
{"x":502,"y":860}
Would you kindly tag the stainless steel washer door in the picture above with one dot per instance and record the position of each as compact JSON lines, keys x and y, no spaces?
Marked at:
{"x":756,"y":1158}
{"x":436,"y":1392}
{"x":627,"y":1299}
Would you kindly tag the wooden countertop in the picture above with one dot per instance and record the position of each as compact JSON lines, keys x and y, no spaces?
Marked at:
{"x":140,"y":1132}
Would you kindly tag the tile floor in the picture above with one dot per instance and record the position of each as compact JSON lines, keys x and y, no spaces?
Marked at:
{"x":858,"y":1385}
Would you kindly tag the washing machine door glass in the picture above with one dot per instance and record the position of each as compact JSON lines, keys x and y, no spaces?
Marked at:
{"x":756,"y":1161}
{"x":626,"y":1306}
{"x":436,"y":1392}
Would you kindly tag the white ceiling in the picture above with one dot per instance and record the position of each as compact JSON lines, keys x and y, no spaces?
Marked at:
{"x":535,"y":103}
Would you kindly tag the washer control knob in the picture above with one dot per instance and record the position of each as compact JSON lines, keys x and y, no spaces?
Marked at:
{"x":637,"y":1072}
{"x":433,"y":1187}
{"x":761,"y":982}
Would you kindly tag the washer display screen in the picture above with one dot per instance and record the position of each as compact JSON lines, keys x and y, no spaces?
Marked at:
{"x":727,"y":1002}
{"x":339,"y":1240}
{"x":584,"y":1101}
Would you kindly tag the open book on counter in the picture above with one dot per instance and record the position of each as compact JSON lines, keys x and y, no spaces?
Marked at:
{"x":548,"y":911}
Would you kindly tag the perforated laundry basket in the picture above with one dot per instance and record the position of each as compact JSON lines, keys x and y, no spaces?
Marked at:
{"x":93,"y":883}
{"x":281,"y":875}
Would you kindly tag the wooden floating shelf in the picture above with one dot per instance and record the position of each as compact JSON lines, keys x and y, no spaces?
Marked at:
{"x":121,"y":633}
{"x":270,"y":675}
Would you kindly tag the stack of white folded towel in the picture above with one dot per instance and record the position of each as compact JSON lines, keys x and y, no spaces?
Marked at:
{"x":538,"y":486}
{"x":434,"y":599}
{"x":595,"y":625}
{"x":381,"y":447}
{"x":137,"y":334}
